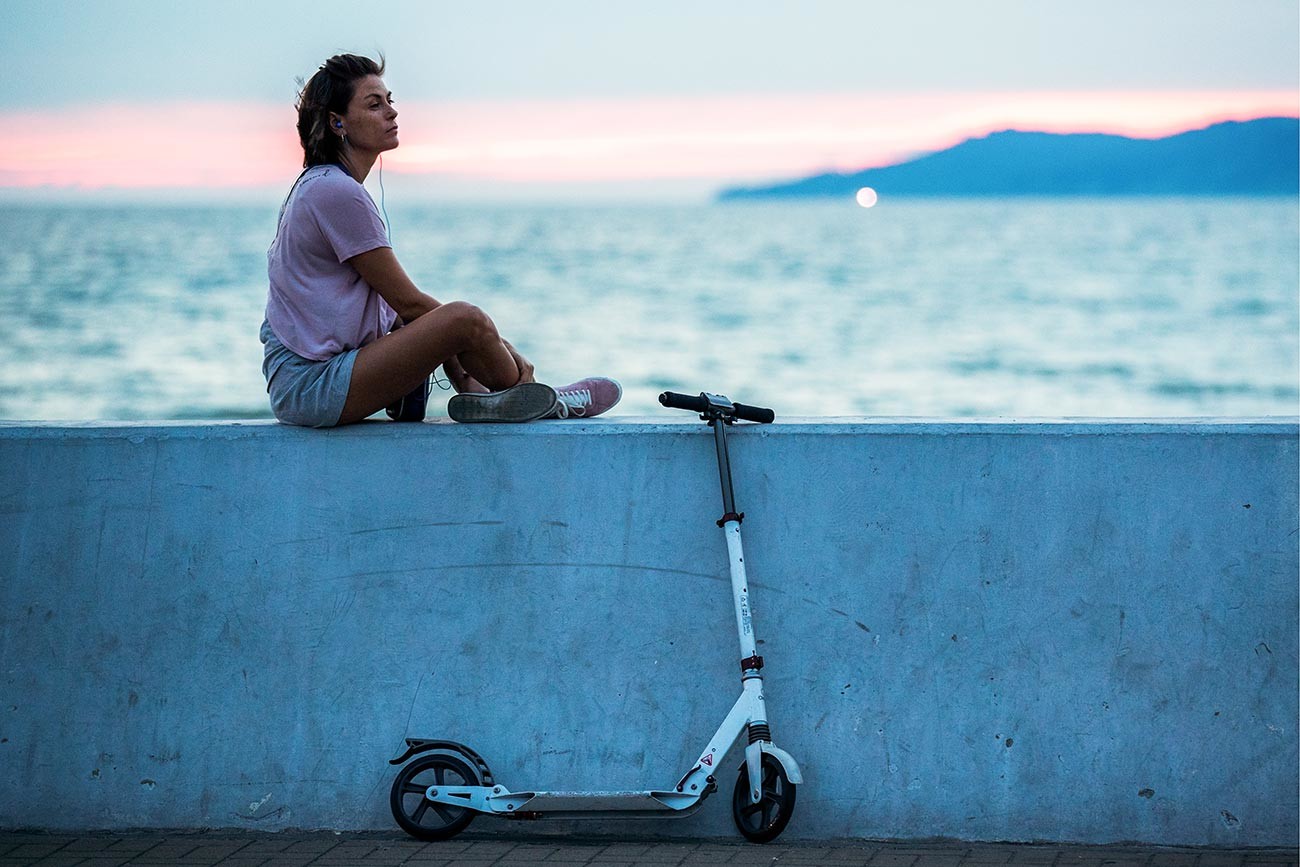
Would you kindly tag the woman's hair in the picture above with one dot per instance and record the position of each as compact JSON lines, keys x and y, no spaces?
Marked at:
{"x":329,"y":90}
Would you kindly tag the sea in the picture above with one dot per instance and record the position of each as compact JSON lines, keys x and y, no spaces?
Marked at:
{"x":992,"y":308}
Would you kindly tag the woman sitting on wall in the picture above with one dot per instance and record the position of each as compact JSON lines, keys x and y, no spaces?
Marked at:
{"x":347,"y":332}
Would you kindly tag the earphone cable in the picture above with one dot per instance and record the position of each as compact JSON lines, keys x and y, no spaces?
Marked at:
{"x":387,"y":222}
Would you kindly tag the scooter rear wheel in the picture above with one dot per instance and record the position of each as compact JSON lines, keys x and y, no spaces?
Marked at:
{"x":763,"y":822}
{"x":421,"y":818}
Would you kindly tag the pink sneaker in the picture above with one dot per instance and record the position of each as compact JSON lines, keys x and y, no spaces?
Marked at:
{"x":587,"y":397}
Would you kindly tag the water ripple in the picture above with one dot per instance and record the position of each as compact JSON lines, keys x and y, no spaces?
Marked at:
{"x":939,"y":308}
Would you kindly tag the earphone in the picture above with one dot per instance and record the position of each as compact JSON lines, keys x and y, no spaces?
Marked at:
{"x":338,"y":124}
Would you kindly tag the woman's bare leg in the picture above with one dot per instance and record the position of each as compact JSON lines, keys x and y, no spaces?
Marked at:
{"x":462,"y":381}
{"x":396,"y":363}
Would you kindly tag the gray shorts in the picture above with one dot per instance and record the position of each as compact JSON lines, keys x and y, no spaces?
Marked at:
{"x":305,"y":392}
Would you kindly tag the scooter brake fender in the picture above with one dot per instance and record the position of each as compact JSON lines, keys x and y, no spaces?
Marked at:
{"x":787,"y":761}
{"x":424,"y":745}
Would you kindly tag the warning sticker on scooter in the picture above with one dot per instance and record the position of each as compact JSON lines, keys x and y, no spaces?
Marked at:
{"x":707,"y":760}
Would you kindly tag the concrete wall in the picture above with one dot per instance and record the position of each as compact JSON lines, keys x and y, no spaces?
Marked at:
{"x":1040,"y":631}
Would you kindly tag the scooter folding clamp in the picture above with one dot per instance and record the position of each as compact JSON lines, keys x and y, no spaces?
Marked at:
{"x":753,"y":663}
{"x":738,"y":517}
{"x":718,"y":402}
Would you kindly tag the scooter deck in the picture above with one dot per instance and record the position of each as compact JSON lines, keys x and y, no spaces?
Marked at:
{"x":498,"y":801}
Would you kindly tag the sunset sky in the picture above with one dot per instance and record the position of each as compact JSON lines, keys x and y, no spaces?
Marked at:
{"x":580,"y":99}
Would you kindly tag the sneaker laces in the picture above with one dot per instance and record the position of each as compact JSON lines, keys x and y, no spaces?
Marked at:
{"x":573,"y":402}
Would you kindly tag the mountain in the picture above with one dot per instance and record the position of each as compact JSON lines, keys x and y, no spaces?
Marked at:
{"x":1255,"y":157}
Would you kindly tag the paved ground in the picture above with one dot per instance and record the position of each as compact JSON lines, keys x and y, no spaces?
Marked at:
{"x":326,"y":848}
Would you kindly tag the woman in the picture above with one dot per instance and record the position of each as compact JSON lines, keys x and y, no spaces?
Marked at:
{"x":347,"y":332}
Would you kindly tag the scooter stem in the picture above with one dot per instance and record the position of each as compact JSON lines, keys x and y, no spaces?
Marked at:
{"x":750,"y":663}
{"x":724,"y":466}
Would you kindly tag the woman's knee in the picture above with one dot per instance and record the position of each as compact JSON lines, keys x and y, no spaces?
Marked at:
{"x":470,"y":322}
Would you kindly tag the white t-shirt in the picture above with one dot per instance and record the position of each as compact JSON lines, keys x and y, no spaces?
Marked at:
{"x":317,"y":303}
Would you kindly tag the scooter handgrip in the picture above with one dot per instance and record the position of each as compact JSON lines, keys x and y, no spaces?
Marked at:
{"x":693,"y":402}
{"x":760,"y":414}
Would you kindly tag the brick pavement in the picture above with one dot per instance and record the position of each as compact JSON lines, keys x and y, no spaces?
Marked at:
{"x":328,"y":849}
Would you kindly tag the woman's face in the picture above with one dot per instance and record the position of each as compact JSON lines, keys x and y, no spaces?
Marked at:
{"x":371,"y":118}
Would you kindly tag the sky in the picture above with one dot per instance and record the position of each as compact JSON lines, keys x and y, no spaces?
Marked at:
{"x":507,"y":99}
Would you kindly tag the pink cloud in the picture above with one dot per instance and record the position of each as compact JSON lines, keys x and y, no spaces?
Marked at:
{"x":753,"y":136}
{"x":165,"y":145}
{"x":231,"y":145}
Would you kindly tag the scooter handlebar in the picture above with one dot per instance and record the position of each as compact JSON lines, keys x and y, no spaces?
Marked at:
{"x":760,"y":414}
{"x":692,"y":402}
{"x":699,"y":403}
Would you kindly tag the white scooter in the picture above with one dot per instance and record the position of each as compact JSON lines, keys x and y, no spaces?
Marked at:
{"x":441,"y":791}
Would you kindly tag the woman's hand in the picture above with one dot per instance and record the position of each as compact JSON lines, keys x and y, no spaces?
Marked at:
{"x":525,"y":366}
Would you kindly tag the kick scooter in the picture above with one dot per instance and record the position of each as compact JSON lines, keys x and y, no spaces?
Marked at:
{"x":440,"y":792}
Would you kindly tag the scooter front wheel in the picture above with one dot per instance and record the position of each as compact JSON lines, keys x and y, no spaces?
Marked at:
{"x":422,"y":818}
{"x":763,"y":822}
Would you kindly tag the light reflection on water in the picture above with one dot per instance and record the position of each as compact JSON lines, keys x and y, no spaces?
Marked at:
{"x":1070,"y":307}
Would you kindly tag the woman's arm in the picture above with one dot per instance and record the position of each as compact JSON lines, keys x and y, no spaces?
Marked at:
{"x":383,"y":273}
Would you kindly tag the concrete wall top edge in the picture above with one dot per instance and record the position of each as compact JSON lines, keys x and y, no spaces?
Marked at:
{"x":624,"y":425}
